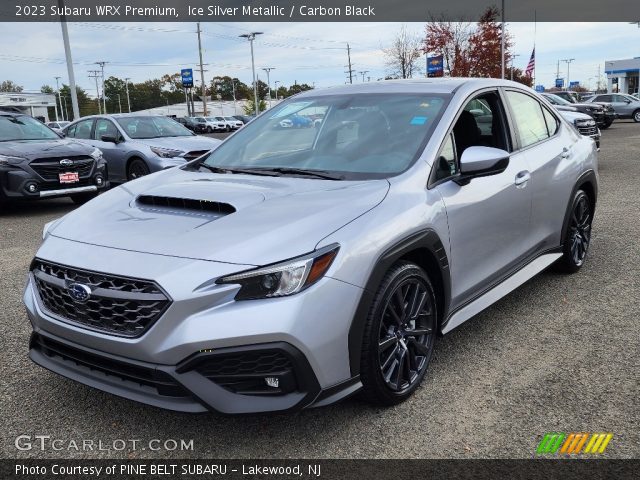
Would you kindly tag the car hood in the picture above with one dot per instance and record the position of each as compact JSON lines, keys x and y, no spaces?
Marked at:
{"x":571,"y":116}
{"x":271,"y":219}
{"x":32,"y":149}
{"x":187,"y":144}
{"x":585,"y":105}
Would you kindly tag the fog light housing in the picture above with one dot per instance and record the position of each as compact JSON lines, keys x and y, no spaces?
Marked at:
{"x":99,"y":179}
{"x":273,"y":382}
{"x":31,"y":187}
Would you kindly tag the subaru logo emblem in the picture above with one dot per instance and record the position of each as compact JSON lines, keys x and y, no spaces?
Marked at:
{"x":79,"y":292}
{"x":65,"y":162}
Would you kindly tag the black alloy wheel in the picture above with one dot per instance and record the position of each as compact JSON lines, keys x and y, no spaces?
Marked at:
{"x":578,"y":234}
{"x":137,"y":168}
{"x":399,"y":336}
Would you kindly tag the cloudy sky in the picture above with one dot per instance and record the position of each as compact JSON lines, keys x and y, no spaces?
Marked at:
{"x":32,"y":54}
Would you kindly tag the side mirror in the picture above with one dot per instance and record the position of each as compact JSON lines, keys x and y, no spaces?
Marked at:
{"x":481,"y":162}
{"x":109,"y":138}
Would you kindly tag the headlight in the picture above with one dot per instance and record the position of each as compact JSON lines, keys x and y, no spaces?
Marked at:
{"x":285,"y":278}
{"x":10,"y":160}
{"x":584,"y":122}
{"x":166,"y":152}
{"x":97,"y":154}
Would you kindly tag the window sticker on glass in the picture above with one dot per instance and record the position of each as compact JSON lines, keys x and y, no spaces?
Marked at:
{"x":418,"y":120}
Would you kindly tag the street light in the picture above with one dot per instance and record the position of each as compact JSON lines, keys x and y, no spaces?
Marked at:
{"x":268,"y":69}
{"x":126,"y":86}
{"x":276,"y":85}
{"x":59,"y":99}
{"x":568,"y":62}
{"x":251,"y":37}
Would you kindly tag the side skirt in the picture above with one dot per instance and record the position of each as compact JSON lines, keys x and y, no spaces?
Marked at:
{"x":500,"y":290}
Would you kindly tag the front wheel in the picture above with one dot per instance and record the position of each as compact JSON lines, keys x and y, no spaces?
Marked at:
{"x":636,"y":116}
{"x":137,"y":168}
{"x":399,"y":336}
{"x":577,"y":236}
{"x":209,"y":130}
{"x":606,"y":124}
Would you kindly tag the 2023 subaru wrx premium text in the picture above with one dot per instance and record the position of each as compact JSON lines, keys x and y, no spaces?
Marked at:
{"x":291,"y":268}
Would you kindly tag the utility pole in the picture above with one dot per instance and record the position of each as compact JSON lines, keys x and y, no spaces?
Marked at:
{"x":351,"y":70}
{"x":568,"y":62}
{"x":104,"y":97}
{"x":233,"y":89}
{"x":558,"y":70}
{"x":251,"y":37}
{"x":120,"y":103}
{"x":126,"y":86}
{"x":59,"y":99}
{"x":268,"y":69}
{"x":204,"y":87}
{"x":502,"y":42}
{"x":94,"y":74}
{"x":276,"y":85}
{"x":67,"y":53}
{"x":363,"y":73}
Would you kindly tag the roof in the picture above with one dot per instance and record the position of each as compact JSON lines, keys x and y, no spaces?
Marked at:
{"x":431,"y":85}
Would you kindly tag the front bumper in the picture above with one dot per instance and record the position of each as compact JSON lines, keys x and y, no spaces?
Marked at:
{"x":180,"y":353}
{"x":15,"y":181}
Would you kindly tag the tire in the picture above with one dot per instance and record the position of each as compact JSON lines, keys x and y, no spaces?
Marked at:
{"x":209,"y":130}
{"x":606,"y":124}
{"x":137,"y":168}
{"x":399,"y":335}
{"x":577,"y":234}
{"x":228,"y":128}
{"x":636,"y":116}
{"x":82,"y":198}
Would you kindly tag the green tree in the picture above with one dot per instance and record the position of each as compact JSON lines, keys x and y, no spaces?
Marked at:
{"x":297,"y":88}
{"x":224,"y":85}
{"x":10,"y":86}
{"x":250,"y":108}
{"x":47,"y":89}
{"x":86,"y":105}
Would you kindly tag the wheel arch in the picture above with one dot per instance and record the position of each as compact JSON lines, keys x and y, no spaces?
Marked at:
{"x":423,"y":248}
{"x":589,"y":183}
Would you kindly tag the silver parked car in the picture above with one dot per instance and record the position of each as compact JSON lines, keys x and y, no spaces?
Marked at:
{"x":584,"y":123}
{"x":135,"y":145}
{"x":291,"y":268}
{"x":626,"y":106}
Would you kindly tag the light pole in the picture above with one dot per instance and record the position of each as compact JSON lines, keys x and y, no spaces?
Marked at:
{"x":502,"y":42}
{"x":512,"y":59}
{"x":276,"y":85}
{"x":67,"y":53}
{"x":204,"y":85}
{"x":59,"y":99}
{"x":104,"y":97}
{"x":568,"y":62}
{"x":126,"y":86}
{"x":251,"y":37}
{"x":268,"y":69}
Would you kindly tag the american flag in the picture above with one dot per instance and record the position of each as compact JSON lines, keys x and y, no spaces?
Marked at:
{"x":532,"y":63}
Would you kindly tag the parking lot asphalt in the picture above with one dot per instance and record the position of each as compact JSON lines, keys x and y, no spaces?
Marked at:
{"x":560,"y":354}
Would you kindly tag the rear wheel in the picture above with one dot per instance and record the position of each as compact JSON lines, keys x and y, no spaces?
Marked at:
{"x":399,"y":335}
{"x":137,"y":168}
{"x":606,"y":124}
{"x":636,"y":116}
{"x":578,"y":234}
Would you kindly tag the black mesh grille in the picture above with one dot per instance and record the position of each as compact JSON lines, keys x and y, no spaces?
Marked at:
{"x":119,"y":306}
{"x":245,"y":364}
{"x":50,"y":168}
{"x":588,"y":131}
{"x":162,"y":382}
{"x":195,"y":154}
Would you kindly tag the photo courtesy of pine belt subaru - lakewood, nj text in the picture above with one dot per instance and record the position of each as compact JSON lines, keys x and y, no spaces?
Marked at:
{"x":290,"y":268}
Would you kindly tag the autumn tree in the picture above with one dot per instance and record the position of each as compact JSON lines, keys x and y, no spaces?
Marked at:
{"x":485,"y":50}
{"x":449,"y":39}
{"x":402,"y":56}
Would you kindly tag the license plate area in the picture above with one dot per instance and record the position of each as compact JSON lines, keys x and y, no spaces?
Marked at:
{"x":69,"y":177}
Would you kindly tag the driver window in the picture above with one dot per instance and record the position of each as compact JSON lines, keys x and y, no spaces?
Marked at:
{"x":105,"y":127}
{"x":481,"y":124}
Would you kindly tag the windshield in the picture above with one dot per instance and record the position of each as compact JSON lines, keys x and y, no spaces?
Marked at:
{"x":22,"y":127}
{"x":556,"y":100}
{"x":354,"y":136}
{"x":152,"y":127}
{"x":230,"y":119}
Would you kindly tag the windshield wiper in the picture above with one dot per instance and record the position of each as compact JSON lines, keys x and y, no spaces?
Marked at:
{"x":302,"y":172}
{"x":249,"y":171}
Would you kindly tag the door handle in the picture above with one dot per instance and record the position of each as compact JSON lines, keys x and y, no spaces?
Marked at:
{"x":522,"y":178}
{"x":565,"y":152}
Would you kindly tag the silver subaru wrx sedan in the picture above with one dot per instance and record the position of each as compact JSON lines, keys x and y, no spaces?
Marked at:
{"x":291,"y":268}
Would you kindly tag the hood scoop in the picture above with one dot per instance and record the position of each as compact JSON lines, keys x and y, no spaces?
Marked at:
{"x":188,"y":204}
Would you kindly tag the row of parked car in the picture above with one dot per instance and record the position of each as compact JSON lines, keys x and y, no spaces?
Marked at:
{"x":603,"y":107}
{"x":213,"y":124}
{"x":82,"y":158}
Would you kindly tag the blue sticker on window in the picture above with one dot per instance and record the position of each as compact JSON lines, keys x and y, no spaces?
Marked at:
{"x":418,"y":120}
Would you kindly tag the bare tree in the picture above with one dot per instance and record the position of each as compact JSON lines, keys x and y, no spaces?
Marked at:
{"x":402,"y":55}
{"x":10,"y":86}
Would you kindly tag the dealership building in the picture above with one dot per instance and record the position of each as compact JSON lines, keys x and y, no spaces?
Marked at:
{"x":622,"y":75}
{"x":34,"y":104}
